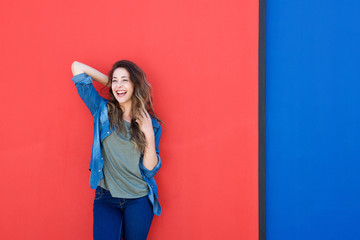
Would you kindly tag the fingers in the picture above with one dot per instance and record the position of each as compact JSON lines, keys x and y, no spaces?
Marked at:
{"x":147,"y":114}
{"x":144,"y":116}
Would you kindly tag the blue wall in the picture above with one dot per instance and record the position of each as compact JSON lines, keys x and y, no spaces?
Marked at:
{"x":313,"y":118}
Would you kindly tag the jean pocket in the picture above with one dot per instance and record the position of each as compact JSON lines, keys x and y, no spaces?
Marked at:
{"x":99,"y":192}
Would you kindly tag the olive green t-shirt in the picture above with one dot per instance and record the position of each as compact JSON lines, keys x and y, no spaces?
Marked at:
{"x":122,"y":175}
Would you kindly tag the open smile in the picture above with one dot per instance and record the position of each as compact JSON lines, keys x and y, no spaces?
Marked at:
{"x":121,"y":93}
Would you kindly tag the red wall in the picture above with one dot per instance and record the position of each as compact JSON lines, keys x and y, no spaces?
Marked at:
{"x":201,"y":58}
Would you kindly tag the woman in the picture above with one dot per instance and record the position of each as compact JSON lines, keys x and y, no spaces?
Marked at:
{"x":125,"y":151}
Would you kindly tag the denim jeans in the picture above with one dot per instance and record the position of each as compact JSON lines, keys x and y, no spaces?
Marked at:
{"x":117,"y":218}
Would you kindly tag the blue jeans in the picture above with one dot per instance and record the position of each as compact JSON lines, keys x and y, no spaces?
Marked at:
{"x":117,"y":218}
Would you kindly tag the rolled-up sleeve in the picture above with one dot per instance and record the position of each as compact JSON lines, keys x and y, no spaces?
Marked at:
{"x":87,"y":92}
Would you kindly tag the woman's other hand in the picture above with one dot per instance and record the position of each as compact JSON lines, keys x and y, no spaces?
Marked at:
{"x":146,"y":126}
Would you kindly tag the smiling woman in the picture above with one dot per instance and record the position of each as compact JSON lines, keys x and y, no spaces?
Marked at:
{"x":125,"y":152}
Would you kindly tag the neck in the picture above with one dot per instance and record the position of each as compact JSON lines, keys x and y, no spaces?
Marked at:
{"x":126,"y":111}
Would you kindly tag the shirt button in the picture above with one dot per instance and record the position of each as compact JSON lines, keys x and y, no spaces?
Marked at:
{"x":108,"y":132}
{"x":99,"y":170}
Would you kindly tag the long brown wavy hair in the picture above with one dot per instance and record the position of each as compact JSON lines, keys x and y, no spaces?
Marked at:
{"x":140,"y":100}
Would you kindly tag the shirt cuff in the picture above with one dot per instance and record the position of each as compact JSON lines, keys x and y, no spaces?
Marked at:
{"x":82,"y":77}
{"x":150,"y":173}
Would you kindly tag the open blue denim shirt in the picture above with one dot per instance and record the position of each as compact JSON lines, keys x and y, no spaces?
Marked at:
{"x":98,"y":108}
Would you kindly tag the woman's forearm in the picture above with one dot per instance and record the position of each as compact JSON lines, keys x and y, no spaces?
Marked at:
{"x":150,"y":158}
{"x":78,"y":67}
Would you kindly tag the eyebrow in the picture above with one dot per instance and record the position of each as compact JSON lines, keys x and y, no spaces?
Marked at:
{"x":121,"y":77}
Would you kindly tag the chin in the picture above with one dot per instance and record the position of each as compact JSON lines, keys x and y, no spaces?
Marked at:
{"x":123,"y":101}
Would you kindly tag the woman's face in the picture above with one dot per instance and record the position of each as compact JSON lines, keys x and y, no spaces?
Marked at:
{"x":122,"y":87}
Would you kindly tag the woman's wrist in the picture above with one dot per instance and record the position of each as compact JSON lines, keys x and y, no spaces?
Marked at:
{"x":150,"y":139}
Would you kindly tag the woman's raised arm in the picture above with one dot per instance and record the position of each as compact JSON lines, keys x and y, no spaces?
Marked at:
{"x":78,"y":67}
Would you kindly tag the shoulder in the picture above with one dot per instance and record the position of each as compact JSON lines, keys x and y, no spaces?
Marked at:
{"x":103,"y":110}
{"x":103,"y":105}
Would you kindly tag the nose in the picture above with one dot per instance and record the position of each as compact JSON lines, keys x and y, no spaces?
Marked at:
{"x":118,"y":84}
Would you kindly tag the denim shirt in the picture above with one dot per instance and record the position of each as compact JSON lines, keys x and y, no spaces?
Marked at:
{"x":98,"y":108}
